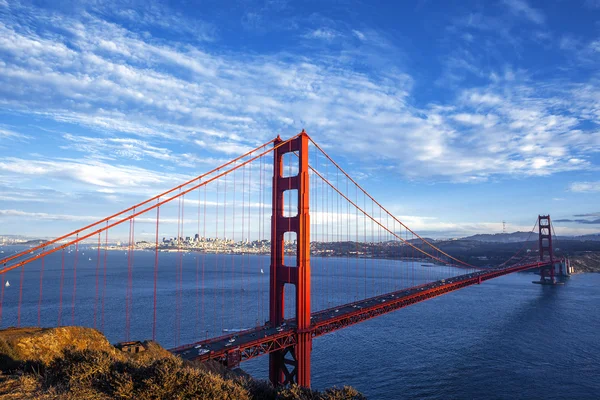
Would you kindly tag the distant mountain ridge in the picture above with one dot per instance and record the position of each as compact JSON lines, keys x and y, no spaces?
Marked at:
{"x":523,"y":236}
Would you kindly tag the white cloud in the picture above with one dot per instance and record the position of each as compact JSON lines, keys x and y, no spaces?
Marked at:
{"x":359,"y":34}
{"x":230,"y":148}
{"x":41,"y":216}
{"x":585,"y":187}
{"x":323,"y":33}
{"x":45,"y":216}
{"x":522,"y":8}
{"x":7,"y":133}
{"x":118,"y":81}
{"x":134,"y":149}
{"x":154,"y":14}
{"x":486,"y":121}
{"x":94,"y":173}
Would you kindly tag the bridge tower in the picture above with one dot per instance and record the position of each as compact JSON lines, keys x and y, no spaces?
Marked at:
{"x":291,"y":365}
{"x":547,"y":275}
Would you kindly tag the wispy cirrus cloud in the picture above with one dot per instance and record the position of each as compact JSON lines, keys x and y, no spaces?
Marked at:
{"x":7,"y":133}
{"x":523,"y":9}
{"x":42,"y":216}
{"x":153,"y":14}
{"x":323,"y":33}
{"x":114,"y":148}
{"x":45,"y":216}
{"x":92,"y":173}
{"x":103,"y":75}
{"x":585,"y":187}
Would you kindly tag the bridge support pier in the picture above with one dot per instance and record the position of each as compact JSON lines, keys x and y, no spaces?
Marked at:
{"x":291,"y":365}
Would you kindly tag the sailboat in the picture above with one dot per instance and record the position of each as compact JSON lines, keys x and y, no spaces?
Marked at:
{"x":7,"y":284}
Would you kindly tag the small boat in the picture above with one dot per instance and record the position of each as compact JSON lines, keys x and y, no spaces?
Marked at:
{"x":89,"y":258}
{"x":261,"y":271}
{"x":7,"y":284}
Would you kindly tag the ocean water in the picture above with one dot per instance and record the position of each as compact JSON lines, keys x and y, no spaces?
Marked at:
{"x":504,"y":339}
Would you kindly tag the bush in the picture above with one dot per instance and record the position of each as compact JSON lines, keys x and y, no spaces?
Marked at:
{"x":78,"y":363}
{"x":97,"y":375}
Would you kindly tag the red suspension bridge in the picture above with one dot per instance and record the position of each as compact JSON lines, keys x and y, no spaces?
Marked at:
{"x":231,"y":249}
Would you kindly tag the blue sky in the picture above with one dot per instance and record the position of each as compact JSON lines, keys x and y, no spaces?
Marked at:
{"x":455,"y":115}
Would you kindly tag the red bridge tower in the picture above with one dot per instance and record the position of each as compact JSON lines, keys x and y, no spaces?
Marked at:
{"x":291,"y":365}
{"x":547,"y":275}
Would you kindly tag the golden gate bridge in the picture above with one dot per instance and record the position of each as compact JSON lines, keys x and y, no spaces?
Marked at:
{"x":285,"y":198}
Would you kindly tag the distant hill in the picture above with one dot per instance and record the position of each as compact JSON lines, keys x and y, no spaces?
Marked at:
{"x":503,"y":237}
{"x":594,"y":237}
{"x":516,"y":237}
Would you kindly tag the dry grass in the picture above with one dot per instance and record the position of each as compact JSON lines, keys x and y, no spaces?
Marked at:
{"x":79,"y":363}
{"x":45,"y":344}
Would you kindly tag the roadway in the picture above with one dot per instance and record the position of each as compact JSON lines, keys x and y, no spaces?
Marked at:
{"x":233,"y":348}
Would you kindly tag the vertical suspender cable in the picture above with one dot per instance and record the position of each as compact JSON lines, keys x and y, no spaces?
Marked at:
{"x":21,"y":279}
{"x":196,"y":245}
{"x":247,"y":239}
{"x":39,"y":319}
{"x":224,"y":259}
{"x":130,"y":277}
{"x":104,"y":278}
{"x":356,"y":243}
{"x":62,"y":281}
{"x":217,"y":256}
{"x":74,"y":282}
{"x":155,"y":273}
{"x":180,"y":283}
{"x":259,"y":303}
{"x":203,"y":256}
{"x":233,"y":205}
{"x":1,"y":299}
{"x":97,"y":282}
{"x":177,"y":270}
{"x":365,"y":241}
{"x":127,"y":292}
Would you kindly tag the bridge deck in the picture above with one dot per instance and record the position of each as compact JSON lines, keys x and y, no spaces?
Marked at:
{"x":240,"y":346}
